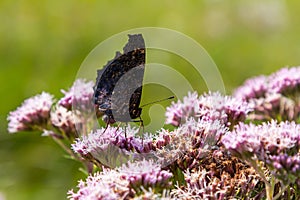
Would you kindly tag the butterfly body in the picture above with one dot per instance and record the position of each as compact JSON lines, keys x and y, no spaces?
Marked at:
{"x":118,"y":89}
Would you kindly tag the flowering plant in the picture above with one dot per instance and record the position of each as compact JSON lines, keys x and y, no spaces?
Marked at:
{"x":245,"y":146}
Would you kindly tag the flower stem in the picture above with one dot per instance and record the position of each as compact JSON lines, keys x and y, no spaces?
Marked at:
{"x":270,"y":189}
{"x":62,"y":145}
{"x":282,"y":190}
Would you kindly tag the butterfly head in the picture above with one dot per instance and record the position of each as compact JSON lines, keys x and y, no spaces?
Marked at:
{"x":108,"y":119}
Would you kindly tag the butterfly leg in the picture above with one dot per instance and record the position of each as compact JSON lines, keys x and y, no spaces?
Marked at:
{"x":106,"y":127}
{"x":125,"y":131}
{"x":126,"y":144}
{"x":141,"y":126}
{"x":118,"y":126}
{"x":143,"y":130}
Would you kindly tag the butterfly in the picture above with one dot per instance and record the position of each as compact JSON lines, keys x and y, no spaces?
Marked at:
{"x":118,"y":88}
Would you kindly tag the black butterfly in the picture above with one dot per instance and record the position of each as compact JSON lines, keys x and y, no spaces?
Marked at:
{"x":118,"y":89}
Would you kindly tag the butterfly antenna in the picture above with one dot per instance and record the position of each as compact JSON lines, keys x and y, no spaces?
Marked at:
{"x":125,"y":131}
{"x":171,"y":97}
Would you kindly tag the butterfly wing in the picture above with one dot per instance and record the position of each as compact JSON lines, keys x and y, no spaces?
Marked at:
{"x":118,"y":86}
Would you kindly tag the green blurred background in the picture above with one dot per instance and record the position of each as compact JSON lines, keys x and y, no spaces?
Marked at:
{"x":43,"y":43}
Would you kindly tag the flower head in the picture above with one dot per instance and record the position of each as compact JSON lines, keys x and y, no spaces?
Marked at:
{"x":190,"y":142}
{"x":275,"y":96}
{"x":182,"y":110}
{"x":211,"y":106}
{"x":235,"y":109}
{"x":255,"y":87}
{"x":270,"y":143}
{"x":33,"y":114}
{"x":105,"y":185}
{"x":218,"y":176}
{"x":79,"y":96}
{"x":274,"y":106}
{"x":285,"y":81}
{"x":145,"y":173}
{"x":263,"y":140}
{"x":123,"y":182}
{"x":287,"y":167}
{"x":65,"y":121}
{"x":204,"y":134}
{"x":111,"y":147}
{"x":201,"y":185}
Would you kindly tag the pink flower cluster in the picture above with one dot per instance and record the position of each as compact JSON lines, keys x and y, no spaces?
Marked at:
{"x":210,"y":106}
{"x":284,"y":81}
{"x":33,"y":114}
{"x":275,"y":96}
{"x":275,"y":144}
{"x":123,"y":182}
{"x":211,"y":152}
{"x":42,"y":114}
{"x":79,"y":96}
{"x":108,"y":184}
